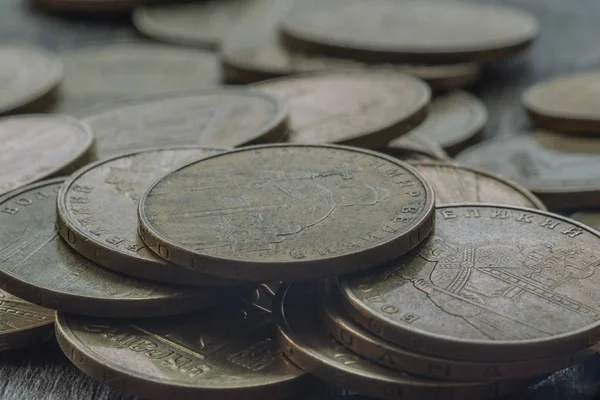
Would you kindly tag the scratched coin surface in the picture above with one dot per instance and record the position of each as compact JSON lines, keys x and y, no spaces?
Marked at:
{"x":359,"y":108}
{"x":456,"y":183}
{"x":229,"y":352}
{"x":415,"y":148}
{"x":97,"y":207}
{"x":305,"y":340}
{"x":563,"y":171}
{"x":219,"y":117}
{"x":287,"y":212}
{"x":423,"y":31}
{"x":491,"y":283}
{"x":27,"y":73}
{"x":36,"y":265}
{"x":34,"y":147}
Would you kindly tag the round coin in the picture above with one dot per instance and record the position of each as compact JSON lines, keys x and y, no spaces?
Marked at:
{"x":589,"y":218}
{"x":287,"y":212}
{"x":413,"y":31}
{"x":38,"y":146}
{"x":36,"y":265}
{"x":219,"y":117}
{"x":492,"y":283}
{"x":27,"y":74}
{"x":561,"y":170}
{"x":412,"y":148}
{"x":88,"y":6}
{"x":455,"y":183}
{"x":97,"y":213}
{"x":358,"y":108}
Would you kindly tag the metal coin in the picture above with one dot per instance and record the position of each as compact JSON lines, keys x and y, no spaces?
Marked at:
{"x":27,"y":74}
{"x":287,"y":212}
{"x":227,"y":353}
{"x":566,"y":104}
{"x":561,"y":170}
{"x":455,"y":183}
{"x":35,"y":147}
{"x":454,"y":121}
{"x":413,"y":31}
{"x":304,"y":339}
{"x":492,"y":283}
{"x":219,"y":117}
{"x":365,"y":109}
{"x":411,"y":148}
{"x":589,"y":218}
{"x":36,"y":265}
{"x":88,"y":6}
{"x":97,"y":213}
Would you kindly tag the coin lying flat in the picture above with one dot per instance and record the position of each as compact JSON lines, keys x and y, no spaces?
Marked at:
{"x":415,"y":148}
{"x":36,"y":265}
{"x":366,"y":109}
{"x":304,"y":339}
{"x":561,"y":170}
{"x":27,"y":74}
{"x":492,"y":283}
{"x":286,"y":212}
{"x":566,"y":104}
{"x":97,"y":212}
{"x":589,"y":218}
{"x":85,"y":6}
{"x":216,"y":117}
{"x":455,"y":183}
{"x":38,"y":146}
{"x":413,"y":31}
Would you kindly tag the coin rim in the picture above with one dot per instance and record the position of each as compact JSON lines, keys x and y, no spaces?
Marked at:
{"x":431,"y":150}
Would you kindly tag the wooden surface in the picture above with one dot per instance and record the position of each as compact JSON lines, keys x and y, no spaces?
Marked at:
{"x":569,"y":43}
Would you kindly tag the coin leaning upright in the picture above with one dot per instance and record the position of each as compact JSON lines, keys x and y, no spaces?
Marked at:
{"x":287,"y":212}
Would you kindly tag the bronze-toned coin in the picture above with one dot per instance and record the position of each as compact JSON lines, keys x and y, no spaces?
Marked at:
{"x":36,"y":265}
{"x":589,"y":218}
{"x":456,"y":183}
{"x":304,"y":339}
{"x":454,"y":121}
{"x":359,"y":108}
{"x":411,"y":148}
{"x":408,"y":31}
{"x":561,"y":170}
{"x":227,"y":353}
{"x":27,"y":74}
{"x":287,"y":212}
{"x":88,"y":6}
{"x":216,"y":117}
{"x":566,"y":104}
{"x":492,"y":283}
{"x":97,"y":213}
{"x":35,"y":147}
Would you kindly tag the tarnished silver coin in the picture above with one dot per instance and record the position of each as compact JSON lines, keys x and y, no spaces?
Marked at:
{"x":411,"y":148}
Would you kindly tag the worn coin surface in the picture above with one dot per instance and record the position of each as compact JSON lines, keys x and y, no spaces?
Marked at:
{"x":589,"y":218}
{"x":561,"y":170}
{"x":359,"y":108}
{"x":492,"y":283}
{"x":304,"y":339}
{"x":34,"y":147}
{"x":27,"y":74}
{"x":97,"y":212}
{"x":228,"y":353}
{"x":415,"y":148}
{"x":456,"y":183}
{"x":414,"y":31}
{"x":287,"y":212}
{"x":36,"y":265}
{"x":85,"y":6}
{"x":216,"y":117}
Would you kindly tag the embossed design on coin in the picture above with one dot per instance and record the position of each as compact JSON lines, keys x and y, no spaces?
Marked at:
{"x":286,"y":212}
{"x":491,"y":283}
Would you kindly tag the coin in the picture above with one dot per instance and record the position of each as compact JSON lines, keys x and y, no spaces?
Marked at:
{"x":216,"y":117}
{"x":36,"y":265}
{"x":589,"y":218}
{"x":27,"y":74}
{"x":304,"y":339}
{"x":88,"y":6}
{"x":286,"y":212}
{"x":566,"y":104}
{"x":366,"y":109}
{"x":455,"y":183}
{"x":226,"y":353}
{"x":454,"y":121}
{"x":492,"y":283}
{"x":412,"y":31}
{"x":561,"y":170}
{"x":97,"y":212}
{"x":415,"y":148}
{"x":104,"y":73}
{"x":38,"y":146}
